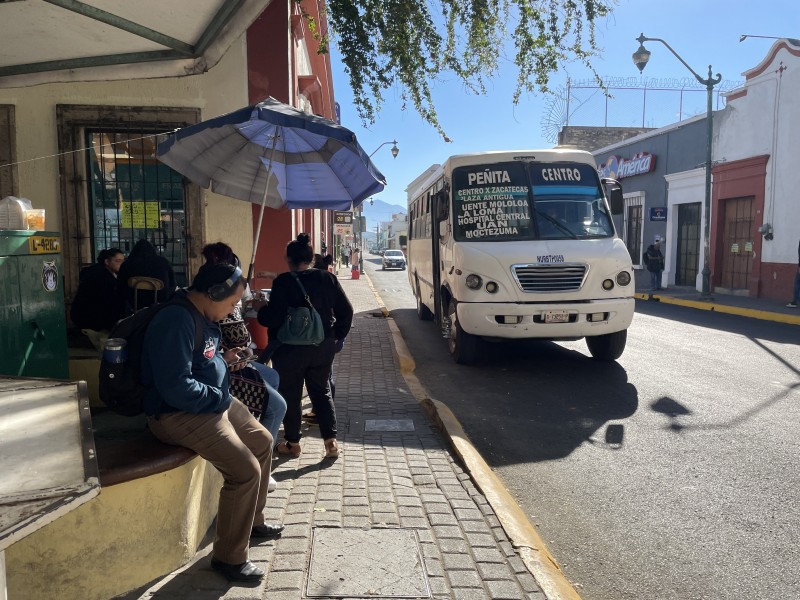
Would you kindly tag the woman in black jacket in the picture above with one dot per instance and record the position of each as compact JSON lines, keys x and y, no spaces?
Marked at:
{"x":97,"y":305}
{"x":307,"y":364}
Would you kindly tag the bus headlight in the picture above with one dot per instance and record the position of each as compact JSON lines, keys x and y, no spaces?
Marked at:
{"x":474,"y":281}
{"x":492,"y":287}
{"x":623,"y":278}
{"x":608,"y":284}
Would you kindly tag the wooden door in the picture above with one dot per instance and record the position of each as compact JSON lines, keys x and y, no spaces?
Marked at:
{"x":737,"y":249}
{"x":688,"y":246}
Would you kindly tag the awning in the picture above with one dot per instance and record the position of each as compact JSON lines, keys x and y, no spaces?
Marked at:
{"x":45,"y":41}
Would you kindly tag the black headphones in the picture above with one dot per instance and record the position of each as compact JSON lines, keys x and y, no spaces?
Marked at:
{"x":219,"y":291}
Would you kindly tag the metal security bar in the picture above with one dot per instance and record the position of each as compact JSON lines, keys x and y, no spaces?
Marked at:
{"x":133,"y":196}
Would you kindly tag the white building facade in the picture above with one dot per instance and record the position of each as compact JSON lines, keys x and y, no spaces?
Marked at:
{"x":756,"y":194}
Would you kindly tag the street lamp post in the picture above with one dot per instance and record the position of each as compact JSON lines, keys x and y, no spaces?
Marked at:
{"x":360,"y":243}
{"x":640,"y":59}
{"x":395,"y":149}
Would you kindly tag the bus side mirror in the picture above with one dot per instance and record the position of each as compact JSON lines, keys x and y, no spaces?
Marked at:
{"x":613,"y":191}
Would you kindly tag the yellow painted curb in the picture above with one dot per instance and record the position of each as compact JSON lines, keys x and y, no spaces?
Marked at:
{"x":381,"y":305}
{"x":523,"y":535}
{"x":724,"y":308}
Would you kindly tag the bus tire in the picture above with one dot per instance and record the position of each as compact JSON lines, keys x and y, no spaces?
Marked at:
{"x":423,"y":312}
{"x":464,"y":347}
{"x":607,"y":347}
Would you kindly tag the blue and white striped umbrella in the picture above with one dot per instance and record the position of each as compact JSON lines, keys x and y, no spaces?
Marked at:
{"x":309,"y":162}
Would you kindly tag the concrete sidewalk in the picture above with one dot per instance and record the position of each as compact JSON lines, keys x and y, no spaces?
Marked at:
{"x":408,"y":510}
{"x":755,"y":308}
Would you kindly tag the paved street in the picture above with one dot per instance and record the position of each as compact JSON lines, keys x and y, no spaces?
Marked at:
{"x":671,"y":474}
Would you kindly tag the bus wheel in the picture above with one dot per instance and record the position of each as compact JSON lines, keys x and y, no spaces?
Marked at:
{"x":607,"y":347}
{"x":463,"y":346}
{"x":423,"y":312}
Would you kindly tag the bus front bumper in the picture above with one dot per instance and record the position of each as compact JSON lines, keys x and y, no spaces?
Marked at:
{"x":549,"y":321}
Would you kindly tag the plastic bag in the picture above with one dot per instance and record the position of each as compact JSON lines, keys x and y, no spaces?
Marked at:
{"x":13,"y":212}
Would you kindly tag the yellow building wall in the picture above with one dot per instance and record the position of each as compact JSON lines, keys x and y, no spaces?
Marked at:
{"x":221,"y":90}
{"x":129,"y":535}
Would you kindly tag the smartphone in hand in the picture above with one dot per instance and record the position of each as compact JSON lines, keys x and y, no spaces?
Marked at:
{"x":243,"y":360}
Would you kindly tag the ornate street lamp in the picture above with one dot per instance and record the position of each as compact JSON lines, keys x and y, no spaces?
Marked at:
{"x":360,"y":239}
{"x":640,"y":59}
{"x":395,"y":149}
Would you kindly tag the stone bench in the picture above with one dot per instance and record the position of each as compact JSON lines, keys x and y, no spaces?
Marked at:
{"x":155,"y":505}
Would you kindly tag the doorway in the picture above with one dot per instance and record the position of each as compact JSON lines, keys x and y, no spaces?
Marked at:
{"x":737,"y":243}
{"x":688,"y":244}
{"x":633,"y":232}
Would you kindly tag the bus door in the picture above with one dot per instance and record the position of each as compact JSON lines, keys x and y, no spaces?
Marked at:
{"x":439,"y":236}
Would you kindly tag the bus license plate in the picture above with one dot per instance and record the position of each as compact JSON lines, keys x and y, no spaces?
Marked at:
{"x":556,"y":316}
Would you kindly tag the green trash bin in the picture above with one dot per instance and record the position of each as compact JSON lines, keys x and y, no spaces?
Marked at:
{"x":33,"y":327}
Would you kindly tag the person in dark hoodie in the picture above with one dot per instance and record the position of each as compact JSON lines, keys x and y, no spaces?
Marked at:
{"x":144,"y":261}
{"x":309,"y":365}
{"x":654,"y":260}
{"x":97,"y":305}
{"x":188,"y":403}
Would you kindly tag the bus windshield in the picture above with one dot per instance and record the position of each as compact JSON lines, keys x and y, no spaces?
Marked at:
{"x":528,"y":201}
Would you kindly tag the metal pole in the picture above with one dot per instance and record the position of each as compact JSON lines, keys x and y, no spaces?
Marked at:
{"x":566,"y":124}
{"x":707,"y":206}
{"x":263,"y":203}
{"x":641,"y":57}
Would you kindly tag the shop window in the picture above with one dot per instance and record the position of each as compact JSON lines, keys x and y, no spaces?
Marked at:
{"x":115,"y":191}
{"x":132,"y":196}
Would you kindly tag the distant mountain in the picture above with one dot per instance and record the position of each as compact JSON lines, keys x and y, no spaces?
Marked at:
{"x":379,"y":212}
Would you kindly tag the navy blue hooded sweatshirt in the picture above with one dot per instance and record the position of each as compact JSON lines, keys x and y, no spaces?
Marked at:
{"x":182,"y":379}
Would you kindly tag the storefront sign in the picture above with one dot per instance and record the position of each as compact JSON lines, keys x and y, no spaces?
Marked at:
{"x":618,"y":168}
{"x":339,"y":229}
{"x":342,"y":217}
{"x":658,"y":213}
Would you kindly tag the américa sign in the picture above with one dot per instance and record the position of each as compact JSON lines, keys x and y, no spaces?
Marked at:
{"x":617,"y":167}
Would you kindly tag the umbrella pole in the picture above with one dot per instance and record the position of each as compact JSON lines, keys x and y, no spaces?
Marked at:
{"x":263,"y":204}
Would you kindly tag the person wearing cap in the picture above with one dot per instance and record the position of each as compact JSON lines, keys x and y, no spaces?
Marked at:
{"x":654,"y":261}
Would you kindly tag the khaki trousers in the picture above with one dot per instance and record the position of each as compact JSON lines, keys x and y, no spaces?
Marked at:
{"x":241,"y":449}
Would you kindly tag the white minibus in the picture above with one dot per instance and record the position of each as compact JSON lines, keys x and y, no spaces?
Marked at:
{"x":520,"y":244}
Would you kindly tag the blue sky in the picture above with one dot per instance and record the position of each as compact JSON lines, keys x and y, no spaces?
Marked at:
{"x":703,"y":32}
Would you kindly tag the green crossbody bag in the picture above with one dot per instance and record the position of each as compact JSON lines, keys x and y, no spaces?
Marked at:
{"x":303,"y":325}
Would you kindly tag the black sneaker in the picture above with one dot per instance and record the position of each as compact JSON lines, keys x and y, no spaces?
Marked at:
{"x":266,"y":530}
{"x":245,"y":571}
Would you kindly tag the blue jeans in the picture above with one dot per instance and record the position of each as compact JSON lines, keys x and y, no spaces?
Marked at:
{"x":655,"y":280}
{"x":275,"y":409}
{"x":796,"y":294}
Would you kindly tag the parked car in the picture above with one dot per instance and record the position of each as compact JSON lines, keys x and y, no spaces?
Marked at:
{"x":393,"y":259}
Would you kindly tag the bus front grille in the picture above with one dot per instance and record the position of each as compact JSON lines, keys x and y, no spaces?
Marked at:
{"x":562,"y":277}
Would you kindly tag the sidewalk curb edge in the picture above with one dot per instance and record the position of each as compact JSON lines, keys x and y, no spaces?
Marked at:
{"x":722,"y":308}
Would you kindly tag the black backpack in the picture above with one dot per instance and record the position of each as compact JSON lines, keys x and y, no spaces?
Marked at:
{"x":121,"y":387}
